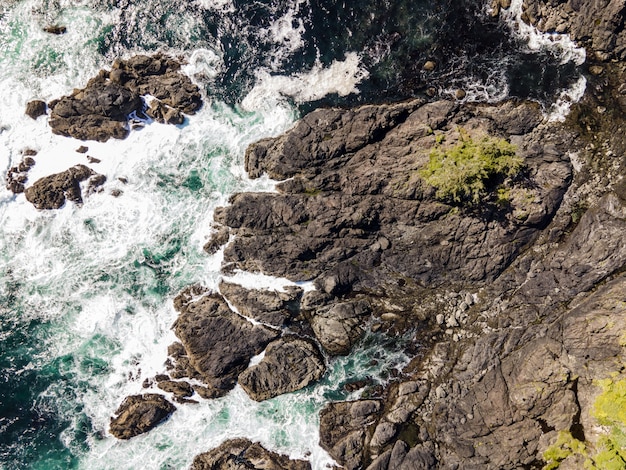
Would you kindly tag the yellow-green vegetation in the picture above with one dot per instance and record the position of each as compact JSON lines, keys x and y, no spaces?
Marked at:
{"x":610,"y":411}
{"x":565,"y":445}
{"x":467,"y":171}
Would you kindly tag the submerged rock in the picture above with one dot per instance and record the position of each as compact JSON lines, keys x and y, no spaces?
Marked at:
{"x":140,"y":413}
{"x":289,"y":364}
{"x":242,"y":454}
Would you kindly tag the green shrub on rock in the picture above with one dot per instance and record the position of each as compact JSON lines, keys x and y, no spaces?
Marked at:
{"x":467,"y":172}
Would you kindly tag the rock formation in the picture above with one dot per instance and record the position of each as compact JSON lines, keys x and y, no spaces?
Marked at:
{"x":241,"y":454}
{"x":103,"y":109}
{"x":138,"y":414}
{"x":52,"y":191}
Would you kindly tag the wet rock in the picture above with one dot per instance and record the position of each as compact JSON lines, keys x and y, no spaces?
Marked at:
{"x":82,"y":149}
{"x":36,"y":108}
{"x":139,"y":414}
{"x":217,"y":343}
{"x":289,"y":364}
{"x":270,"y":307}
{"x":429,"y":66}
{"x":52,"y":191}
{"x":598,"y":26}
{"x":103,"y":108}
{"x":218,"y":239}
{"x":176,"y":388}
{"x":17,"y":176}
{"x":242,"y":454}
{"x":55,"y":29}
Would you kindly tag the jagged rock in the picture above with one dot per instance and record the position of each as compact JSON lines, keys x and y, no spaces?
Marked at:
{"x":218,"y":239}
{"x":176,"y":388}
{"x":218,"y":344}
{"x":36,"y":108}
{"x":140,"y":413}
{"x":346,"y":428}
{"x":101,"y":110}
{"x":289,"y":364}
{"x":242,"y":454}
{"x":354,"y":180}
{"x":51,"y":191}
{"x":339,"y":326}
{"x":265,"y":306}
{"x":18,"y":175}
{"x":599,"y":26}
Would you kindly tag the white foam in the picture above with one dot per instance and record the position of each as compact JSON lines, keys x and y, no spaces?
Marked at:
{"x":560,"y":45}
{"x":287,"y":31}
{"x":341,"y":77}
{"x":263,"y":281}
{"x":560,"y":109}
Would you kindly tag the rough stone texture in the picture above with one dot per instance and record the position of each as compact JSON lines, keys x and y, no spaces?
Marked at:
{"x":138,"y":414}
{"x":36,"y":108}
{"x":242,"y":454}
{"x":270,"y":307}
{"x":346,"y":428}
{"x":101,"y":110}
{"x":52,"y":191}
{"x":597,"y":25}
{"x":289,"y":364}
{"x":339,"y":326}
{"x":218,"y":344}
{"x":515,"y":333}
{"x":17,"y":176}
{"x":355,"y":209}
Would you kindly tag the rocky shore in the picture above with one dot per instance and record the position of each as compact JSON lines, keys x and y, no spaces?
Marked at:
{"x":514,"y":295}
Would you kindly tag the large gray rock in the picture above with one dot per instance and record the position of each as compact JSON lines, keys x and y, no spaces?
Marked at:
{"x":139,"y":414}
{"x":218,"y":343}
{"x":356,"y":211}
{"x":270,"y":307}
{"x":242,"y":454}
{"x":346,"y":428}
{"x":289,"y":364}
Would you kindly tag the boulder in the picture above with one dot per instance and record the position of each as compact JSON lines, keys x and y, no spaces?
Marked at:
{"x":36,"y":108}
{"x":289,"y":364}
{"x":346,"y":428}
{"x":138,"y":414}
{"x":269,"y":307}
{"x":218,"y":343}
{"x":242,"y":454}
{"x":102,"y":109}
{"x":52,"y":191}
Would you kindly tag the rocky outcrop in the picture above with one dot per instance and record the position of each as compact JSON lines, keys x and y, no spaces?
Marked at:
{"x":266,"y":306}
{"x":52,"y":191}
{"x":216,"y":343}
{"x":242,"y":454}
{"x":103,"y":108}
{"x":355,"y":209}
{"x":18,"y":175}
{"x":139,"y":414}
{"x":346,"y":428}
{"x":597,"y":25}
{"x":289,"y":364}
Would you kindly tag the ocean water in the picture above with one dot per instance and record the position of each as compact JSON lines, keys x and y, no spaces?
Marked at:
{"x":86,"y":292}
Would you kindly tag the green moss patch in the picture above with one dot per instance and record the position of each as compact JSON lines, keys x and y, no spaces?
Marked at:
{"x":565,"y":445}
{"x":468,"y":171}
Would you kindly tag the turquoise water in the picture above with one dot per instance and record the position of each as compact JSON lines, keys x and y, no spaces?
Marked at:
{"x":86,"y":292}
